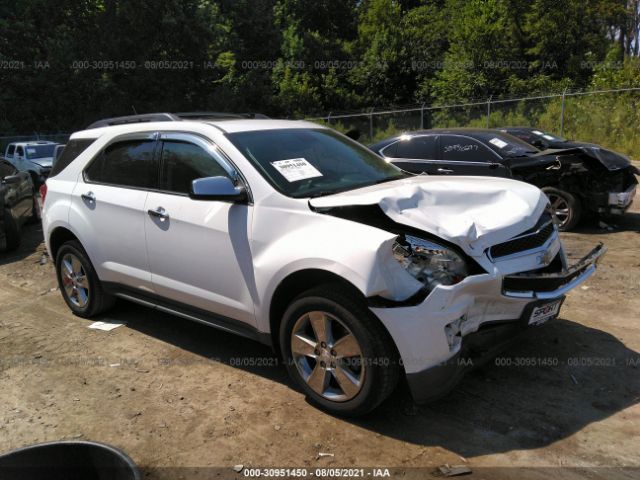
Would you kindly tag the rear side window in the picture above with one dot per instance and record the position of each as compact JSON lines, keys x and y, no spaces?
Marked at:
{"x":464,"y":149}
{"x":423,"y":148}
{"x":20,"y":152}
{"x":128,"y":163}
{"x":11,"y":150}
{"x":183,"y":162}
{"x":70,"y":152}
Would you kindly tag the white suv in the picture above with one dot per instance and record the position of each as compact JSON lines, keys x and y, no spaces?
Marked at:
{"x":292,"y":234}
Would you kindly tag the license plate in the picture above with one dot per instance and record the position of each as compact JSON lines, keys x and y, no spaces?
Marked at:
{"x":544,"y":313}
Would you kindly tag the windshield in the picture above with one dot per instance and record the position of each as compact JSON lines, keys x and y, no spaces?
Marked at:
{"x":312,"y":162}
{"x":507,"y":145}
{"x":39,"y":151}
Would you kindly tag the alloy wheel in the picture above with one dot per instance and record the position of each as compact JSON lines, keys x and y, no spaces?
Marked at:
{"x":75,"y":280}
{"x":560,"y":209}
{"x":328,"y":356}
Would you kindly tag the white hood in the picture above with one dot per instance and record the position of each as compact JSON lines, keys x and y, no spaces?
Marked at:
{"x":472,"y":212}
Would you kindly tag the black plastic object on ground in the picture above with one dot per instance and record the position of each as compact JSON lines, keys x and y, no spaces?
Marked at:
{"x":73,"y":460}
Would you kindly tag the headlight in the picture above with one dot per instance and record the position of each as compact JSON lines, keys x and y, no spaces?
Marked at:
{"x":428,"y":262}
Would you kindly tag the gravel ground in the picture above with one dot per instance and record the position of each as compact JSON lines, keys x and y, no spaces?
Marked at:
{"x":179,"y":395}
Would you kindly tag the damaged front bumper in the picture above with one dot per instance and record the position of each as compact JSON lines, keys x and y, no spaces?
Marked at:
{"x":458,"y":327}
{"x":619,"y":202}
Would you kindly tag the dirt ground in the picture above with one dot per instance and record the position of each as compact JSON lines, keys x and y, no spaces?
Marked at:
{"x":178,"y":395}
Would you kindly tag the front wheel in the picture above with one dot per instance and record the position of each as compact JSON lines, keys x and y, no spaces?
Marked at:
{"x":565,"y":208}
{"x":338,"y":352}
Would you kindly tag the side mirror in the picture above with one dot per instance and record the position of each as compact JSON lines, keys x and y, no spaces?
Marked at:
{"x":12,"y":179}
{"x":217,"y":188}
{"x":354,"y":134}
{"x":494,"y":165}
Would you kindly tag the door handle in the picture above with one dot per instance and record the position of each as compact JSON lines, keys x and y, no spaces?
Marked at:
{"x":444,"y":170}
{"x":88,"y":197}
{"x":158,"y":213}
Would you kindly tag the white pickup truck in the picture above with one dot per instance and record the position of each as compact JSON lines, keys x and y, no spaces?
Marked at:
{"x":35,"y":157}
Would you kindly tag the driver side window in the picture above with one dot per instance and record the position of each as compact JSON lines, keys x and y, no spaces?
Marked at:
{"x":183,"y":162}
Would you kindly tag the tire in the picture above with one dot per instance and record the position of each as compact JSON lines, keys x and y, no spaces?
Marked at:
{"x":568,"y":204}
{"x":375,"y":369}
{"x":80,"y":286}
{"x":35,"y":179}
{"x":35,"y":210}
{"x":12,"y":232}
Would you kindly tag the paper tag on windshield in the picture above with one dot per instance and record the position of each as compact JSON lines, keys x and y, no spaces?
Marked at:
{"x":498,"y":143}
{"x":296,"y":169}
{"x":538,"y":132}
{"x":547,"y":137}
{"x":31,"y":150}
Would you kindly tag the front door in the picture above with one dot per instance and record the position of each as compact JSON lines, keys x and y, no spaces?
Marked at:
{"x":198,"y":249}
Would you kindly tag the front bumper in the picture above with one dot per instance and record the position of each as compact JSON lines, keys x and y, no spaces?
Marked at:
{"x":618,"y":202}
{"x":472,"y":319}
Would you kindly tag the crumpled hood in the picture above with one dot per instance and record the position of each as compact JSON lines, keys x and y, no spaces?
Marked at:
{"x":43,"y":162}
{"x":472,"y":212}
{"x":609,"y":159}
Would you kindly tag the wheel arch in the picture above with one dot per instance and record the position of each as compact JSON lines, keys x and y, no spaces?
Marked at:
{"x":292,"y":286}
{"x":58,"y":237}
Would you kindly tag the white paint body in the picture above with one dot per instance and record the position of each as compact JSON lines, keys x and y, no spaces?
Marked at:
{"x":230,"y":258}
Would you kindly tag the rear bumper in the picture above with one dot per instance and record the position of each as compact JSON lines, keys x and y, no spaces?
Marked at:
{"x":472,"y":320}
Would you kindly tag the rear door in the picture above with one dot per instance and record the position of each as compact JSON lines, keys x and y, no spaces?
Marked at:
{"x":198,"y":249}
{"x":415,"y":154}
{"x":107,"y":209}
{"x":463,"y":155}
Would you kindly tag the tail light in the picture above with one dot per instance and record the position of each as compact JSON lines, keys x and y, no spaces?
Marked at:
{"x":43,"y":192}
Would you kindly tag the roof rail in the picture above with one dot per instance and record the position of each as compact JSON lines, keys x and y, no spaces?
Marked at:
{"x":147,"y":117}
{"x":172,"y":117}
{"x":218,"y":115}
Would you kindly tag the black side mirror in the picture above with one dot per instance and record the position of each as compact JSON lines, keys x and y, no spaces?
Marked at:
{"x":217,"y":188}
{"x":12,"y":179}
{"x":354,"y":134}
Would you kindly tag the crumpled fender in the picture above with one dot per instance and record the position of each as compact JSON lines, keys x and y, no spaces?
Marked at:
{"x":360,"y":254}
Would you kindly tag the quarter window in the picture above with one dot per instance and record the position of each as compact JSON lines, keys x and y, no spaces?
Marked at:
{"x":11,"y":150}
{"x":183,"y":162}
{"x":464,"y":149}
{"x":128,"y":163}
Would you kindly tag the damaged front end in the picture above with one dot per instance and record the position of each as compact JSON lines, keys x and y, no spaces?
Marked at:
{"x":604,"y":181}
{"x":488,"y":257}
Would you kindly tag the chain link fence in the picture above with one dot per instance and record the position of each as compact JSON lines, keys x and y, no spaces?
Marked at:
{"x":607,"y":117}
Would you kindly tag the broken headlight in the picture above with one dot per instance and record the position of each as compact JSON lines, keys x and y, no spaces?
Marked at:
{"x":428,"y":262}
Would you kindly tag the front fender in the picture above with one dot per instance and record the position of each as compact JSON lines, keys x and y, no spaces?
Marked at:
{"x":358,"y":253}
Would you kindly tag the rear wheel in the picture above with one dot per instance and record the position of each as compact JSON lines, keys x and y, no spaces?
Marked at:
{"x":565,"y":208}
{"x":337,"y":351}
{"x":80,"y":286}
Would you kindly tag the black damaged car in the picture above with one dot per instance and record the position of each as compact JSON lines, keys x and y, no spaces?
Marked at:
{"x":18,"y":204}
{"x":578,"y":180}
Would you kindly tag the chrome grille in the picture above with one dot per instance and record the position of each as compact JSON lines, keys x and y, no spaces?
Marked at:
{"x":534,"y":238}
